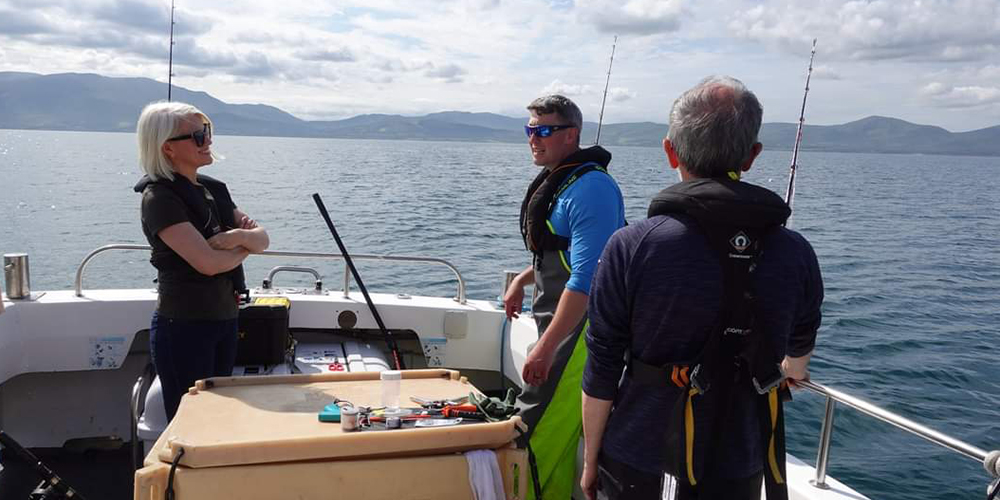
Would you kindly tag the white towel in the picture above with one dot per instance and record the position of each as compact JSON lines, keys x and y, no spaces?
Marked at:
{"x":484,"y":475}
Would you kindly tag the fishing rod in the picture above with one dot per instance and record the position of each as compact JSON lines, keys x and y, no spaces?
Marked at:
{"x":790,"y":192}
{"x":170,"y":64}
{"x":389,"y":340}
{"x":600,"y":120}
{"x":52,"y":487}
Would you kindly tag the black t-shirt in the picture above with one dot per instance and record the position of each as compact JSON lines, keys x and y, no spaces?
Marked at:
{"x":184,"y":293}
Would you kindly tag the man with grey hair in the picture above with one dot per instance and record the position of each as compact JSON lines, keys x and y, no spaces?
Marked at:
{"x":699,"y":316}
{"x":569,"y":212}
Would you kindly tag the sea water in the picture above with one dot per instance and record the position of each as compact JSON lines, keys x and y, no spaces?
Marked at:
{"x":907,"y":245}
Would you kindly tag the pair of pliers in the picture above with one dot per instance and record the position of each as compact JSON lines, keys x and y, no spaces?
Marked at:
{"x":466,"y":411}
{"x":437,"y":404}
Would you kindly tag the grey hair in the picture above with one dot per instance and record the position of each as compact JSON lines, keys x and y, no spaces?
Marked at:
{"x":158,"y":122}
{"x":567,"y":110}
{"x":714,"y":126}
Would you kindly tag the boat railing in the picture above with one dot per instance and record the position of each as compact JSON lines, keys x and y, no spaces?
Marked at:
{"x":461,"y":299}
{"x":991,"y":460}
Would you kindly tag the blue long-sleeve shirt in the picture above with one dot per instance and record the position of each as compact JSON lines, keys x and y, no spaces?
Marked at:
{"x":588,"y":212}
{"x":656,"y":294}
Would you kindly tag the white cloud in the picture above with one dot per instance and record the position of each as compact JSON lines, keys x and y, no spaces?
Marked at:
{"x":482,"y":4}
{"x":978,"y":94}
{"x":566,"y":89}
{"x":400,"y":66}
{"x":620,"y":94}
{"x":383,"y":79}
{"x":970,"y":87}
{"x":341,"y":54}
{"x":17,"y":22}
{"x":916,"y":30}
{"x":969,"y":96}
{"x":821,"y":72}
{"x":934,"y":89}
{"x":451,"y":73}
{"x":632,"y":17}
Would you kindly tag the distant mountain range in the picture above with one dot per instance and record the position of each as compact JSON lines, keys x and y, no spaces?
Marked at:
{"x":71,"y":101}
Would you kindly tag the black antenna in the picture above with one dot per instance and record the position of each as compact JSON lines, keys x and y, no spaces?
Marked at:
{"x":600,"y":120}
{"x":170,"y":67}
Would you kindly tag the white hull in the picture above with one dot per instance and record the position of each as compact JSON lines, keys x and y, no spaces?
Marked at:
{"x":68,"y":363}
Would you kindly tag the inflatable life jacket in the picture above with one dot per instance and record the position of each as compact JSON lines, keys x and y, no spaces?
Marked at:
{"x":201,"y":213}
{"x":734,"y":217}
{"x":543,"y":192}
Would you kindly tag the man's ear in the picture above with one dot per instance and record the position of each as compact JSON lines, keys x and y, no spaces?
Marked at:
{"x":754,"y":151}
{"x":668,"y":147}
{"x":574,"y":136}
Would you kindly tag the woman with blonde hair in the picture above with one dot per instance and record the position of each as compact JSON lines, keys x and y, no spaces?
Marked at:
{"x":199,"y":240}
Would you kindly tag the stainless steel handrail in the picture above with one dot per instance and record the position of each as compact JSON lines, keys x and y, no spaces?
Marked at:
{"x":269,"y":280}
{"x":78,"y":284}
{"x":834,"y":396}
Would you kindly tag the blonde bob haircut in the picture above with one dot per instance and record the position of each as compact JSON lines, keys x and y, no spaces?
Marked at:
{"x":158,"y":122}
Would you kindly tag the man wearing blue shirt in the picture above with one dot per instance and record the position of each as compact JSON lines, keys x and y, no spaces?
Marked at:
{"x":692,"y":312}
{"x":569,"y":212}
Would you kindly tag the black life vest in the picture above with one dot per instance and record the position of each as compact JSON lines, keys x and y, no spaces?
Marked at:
{"x":734,"y":217}
{"x":540,"y":199}
{"x":201,"y":210}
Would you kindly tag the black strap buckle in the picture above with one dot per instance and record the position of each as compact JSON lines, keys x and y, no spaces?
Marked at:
{"x":771,"y":382}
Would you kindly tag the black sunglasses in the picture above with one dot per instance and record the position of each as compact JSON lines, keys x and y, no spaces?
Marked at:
{"x":198,"y":136}
{"x":544,"y":130}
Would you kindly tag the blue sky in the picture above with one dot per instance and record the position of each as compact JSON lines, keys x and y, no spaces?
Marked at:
{"x":933,"y":62}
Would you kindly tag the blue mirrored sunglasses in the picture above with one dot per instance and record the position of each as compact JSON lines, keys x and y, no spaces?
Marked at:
{"x":199,"y":136}
{"x":544,"y":130}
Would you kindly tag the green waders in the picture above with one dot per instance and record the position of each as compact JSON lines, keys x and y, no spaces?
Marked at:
{"x":552,"y":410}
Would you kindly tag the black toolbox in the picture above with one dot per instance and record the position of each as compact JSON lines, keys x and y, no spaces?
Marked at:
{"x":263,"y":332}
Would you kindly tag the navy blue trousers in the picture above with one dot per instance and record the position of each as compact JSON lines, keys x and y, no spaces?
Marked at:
{"x":187,"y":350}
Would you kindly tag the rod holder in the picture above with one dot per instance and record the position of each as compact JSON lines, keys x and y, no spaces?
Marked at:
{"x":17,"y":277}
